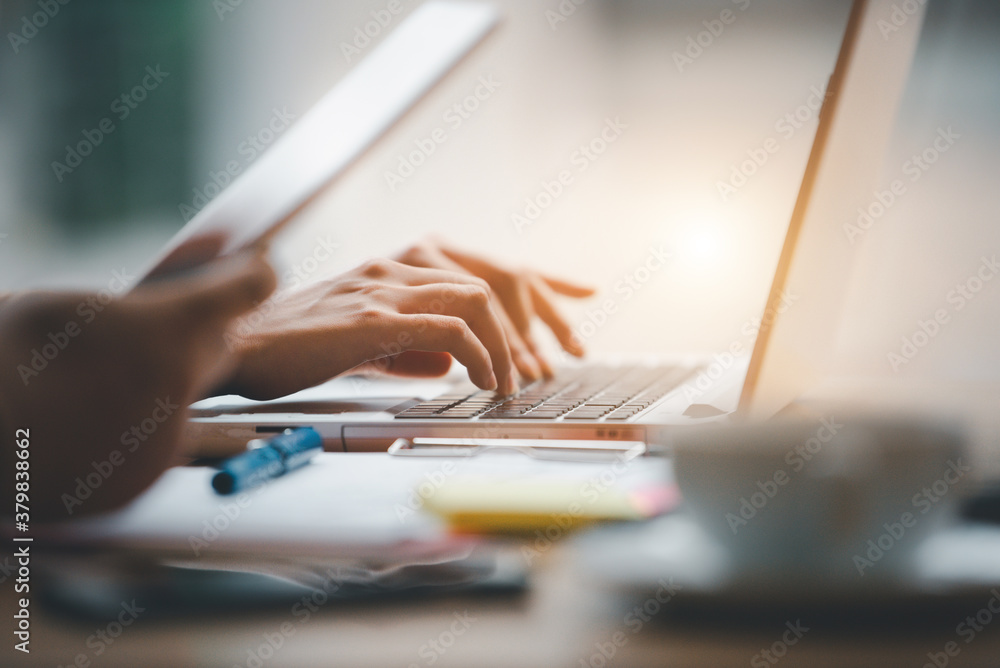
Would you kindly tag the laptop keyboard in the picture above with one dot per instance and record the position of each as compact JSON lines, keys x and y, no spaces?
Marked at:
{"x":588,"y":393}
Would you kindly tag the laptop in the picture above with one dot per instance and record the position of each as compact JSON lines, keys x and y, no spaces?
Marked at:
{"x":603,"y":399}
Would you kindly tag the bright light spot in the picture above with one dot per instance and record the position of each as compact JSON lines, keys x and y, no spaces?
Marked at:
{"x":704,"y":245}
{"x":702,"y":242}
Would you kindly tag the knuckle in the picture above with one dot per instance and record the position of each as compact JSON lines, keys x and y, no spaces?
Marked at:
{"x":414,"y":253}
{"x":478,"y":294}
{"x":376,"y":267}
{"x":453,"y":328}
{"x":370,"y":313}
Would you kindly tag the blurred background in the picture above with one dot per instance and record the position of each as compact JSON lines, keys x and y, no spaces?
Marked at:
{"x":188,"y":87}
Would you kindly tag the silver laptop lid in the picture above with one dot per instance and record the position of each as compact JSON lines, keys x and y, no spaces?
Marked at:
{"x":795,"y":345}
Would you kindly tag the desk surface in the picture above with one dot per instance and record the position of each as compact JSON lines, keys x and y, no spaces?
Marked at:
{"x":565,"y":620}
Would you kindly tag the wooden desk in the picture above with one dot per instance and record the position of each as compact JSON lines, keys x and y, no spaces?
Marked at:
{"x":564,"y":620}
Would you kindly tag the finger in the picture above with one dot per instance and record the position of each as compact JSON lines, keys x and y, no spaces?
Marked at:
{"x":523,"y":351}
{"x":567,"y":288}
{"x":414,"y":276}
{"x":449,"y":334}
{"x":543,"y":299}
{"x":470,"y":302}
{"x":218,"y":291}
{"x":540,"y":359}
{"x":414,"y":364}
{"x":518,"y":298}
{"x":474,"y":263}
{"x":515,"y":300}
{"x":195,"y":251}
{"x":429,"y":255}
{"x":524,"y":358}
{"x":515,"y":295}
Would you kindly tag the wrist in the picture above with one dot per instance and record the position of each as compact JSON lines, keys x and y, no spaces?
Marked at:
{"x":236,"y":348}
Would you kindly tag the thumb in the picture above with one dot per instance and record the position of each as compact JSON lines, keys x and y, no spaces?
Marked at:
{"x":219,"y":290}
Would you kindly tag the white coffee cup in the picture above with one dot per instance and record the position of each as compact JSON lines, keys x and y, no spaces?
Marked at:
{"x":837,"y":497}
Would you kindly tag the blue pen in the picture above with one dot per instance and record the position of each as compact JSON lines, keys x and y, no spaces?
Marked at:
{"x":283,"y":453}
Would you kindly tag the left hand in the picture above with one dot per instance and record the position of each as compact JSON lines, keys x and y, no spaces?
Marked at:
{"x":102,"y":386}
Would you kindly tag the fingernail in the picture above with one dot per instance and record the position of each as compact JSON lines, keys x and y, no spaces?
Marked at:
{"x":573,"y":345}
{"x":491,"y":384}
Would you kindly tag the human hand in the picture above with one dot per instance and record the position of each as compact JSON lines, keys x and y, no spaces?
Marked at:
{"x":106,"y":404}
{"x":518,"y":296}
{"x":406,"y":318}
